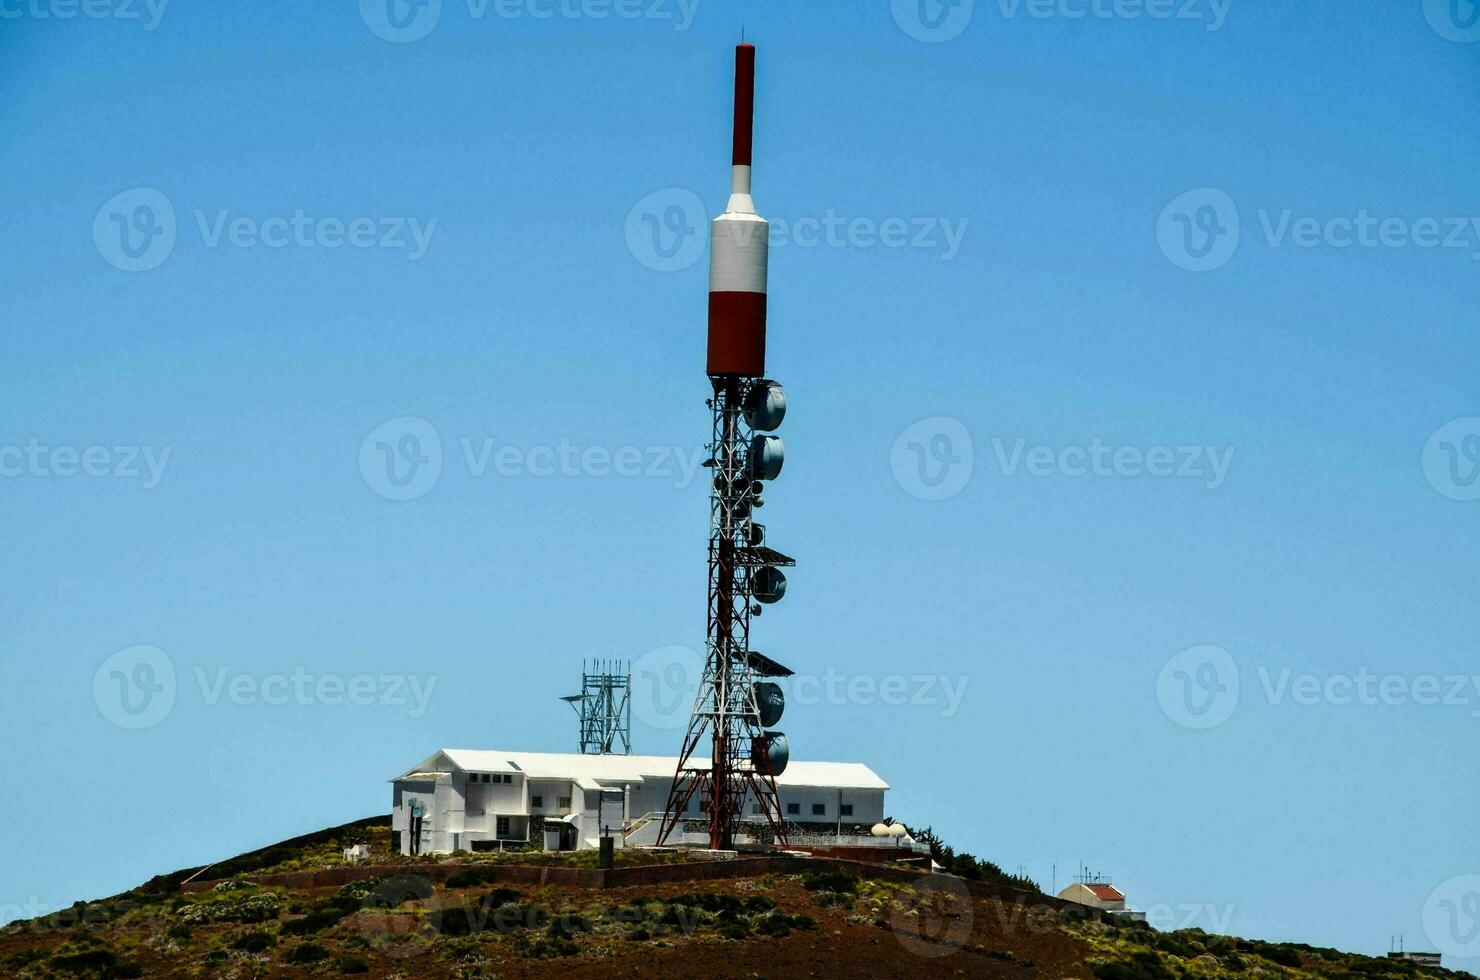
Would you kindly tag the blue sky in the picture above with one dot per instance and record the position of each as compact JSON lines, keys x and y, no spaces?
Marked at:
{"x":1133,"y":397}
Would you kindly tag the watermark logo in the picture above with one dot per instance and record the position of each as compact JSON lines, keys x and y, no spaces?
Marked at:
{"x":832,"y":687}
{"x":135,"y":687}
{"x":1451,"y":459}
{"x":1368,"y":689}
{"x":1199,"y":230}
{"x":1454,"y":20}
{"x":413,"y":691}
{"x":1184,"y":10}
{"x":934,"y":233}
{"x":402,"y":459}
{"x":1199,"y":687}
{"x":665,"y":682}
{"x":137,"y":230}
{"x":134,"y":230}
{"x":401,"y":21}
{"x":1209,"y":464}
{"x":1451,"y":917}
{"x":36,"y":459}
{"x":665,"y":230}
{"x":933,"y":21}
{"x":935,"y":919}
{"x":933,"y":459}
{"x":91,"y":9}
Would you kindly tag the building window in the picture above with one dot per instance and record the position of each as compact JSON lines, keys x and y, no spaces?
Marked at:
{"x":819,"y":809}
{"x":537,"y":802}
{"x":793,"y":809}
{"x":501,"y":826}
{"x":755,"y":808}
{"x":846,"y":809}
{"x":562,"y":803}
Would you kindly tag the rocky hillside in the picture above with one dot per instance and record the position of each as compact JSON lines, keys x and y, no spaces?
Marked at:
{"x":296,"y":909}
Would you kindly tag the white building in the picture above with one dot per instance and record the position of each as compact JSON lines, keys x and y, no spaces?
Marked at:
{"x":1100,"y":894}
{"x":465,"y":799}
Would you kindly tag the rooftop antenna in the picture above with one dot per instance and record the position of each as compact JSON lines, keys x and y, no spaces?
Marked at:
{"x":604,"y":707}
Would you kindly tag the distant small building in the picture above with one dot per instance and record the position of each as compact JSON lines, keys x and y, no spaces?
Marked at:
{"x":1099,"y":895}
{"x":1422,"y":959}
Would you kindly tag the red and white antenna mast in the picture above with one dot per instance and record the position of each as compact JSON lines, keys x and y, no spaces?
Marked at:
{"x":735,"y":707}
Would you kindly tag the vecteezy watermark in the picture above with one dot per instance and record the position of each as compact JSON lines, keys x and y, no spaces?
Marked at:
{"x":1451,"y":917}
{"x":402,"y":459}
{"x":1454,"y":20}
{"x":936,"y":21}
{"x":32,"y":908}
{"x":933,"y":21}
{"x":932,"y":918}
{"x":1210,"y":464}
{"x":667,"y":231}
{"x":150,"y":12}
{"x":933,"y":459}
{"x":1214,"y":918}
{"x":34,"y":459}
{"x":1199,"y":687}
{"x":1200,"y":230}
{"x":1212,"y":14}
{"x":404,"y":21}
{"x":665,"y":684}
{"x":303,"y":688}
{"x":136,"y":230}
{"x":1451,"y":459}
{"x":1368,"y":689}
{"x":136,"y":688}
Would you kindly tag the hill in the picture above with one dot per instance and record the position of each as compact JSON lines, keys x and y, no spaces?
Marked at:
{"x":298,"y":909}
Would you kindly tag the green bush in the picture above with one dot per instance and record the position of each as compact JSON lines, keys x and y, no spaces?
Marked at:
{"x":499,"y":896}
{"x":830,"y":881}
{"x":256,"y":941}
{"x":471,"y":877}
{"x":352,"y":964}
{"x":459,"y":920}
{"x":1141,"y":966}
{"x":88,"y":962}
{"x":307,"y":953}
{"x":393,"y":892}
{"x":779,"y":924}
{"x":1283,"y":955}
{"x":541,"y":947}
{"x":568,"y":925}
